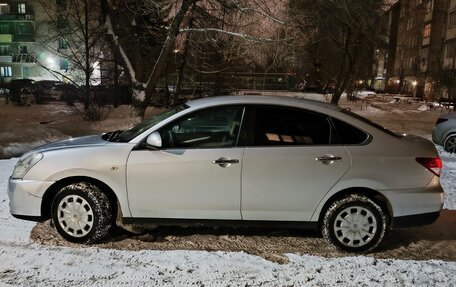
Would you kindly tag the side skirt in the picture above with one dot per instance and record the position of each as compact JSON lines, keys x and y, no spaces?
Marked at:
{"x":215,"y":222}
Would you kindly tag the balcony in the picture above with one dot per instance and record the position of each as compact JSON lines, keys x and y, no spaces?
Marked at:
{"x":6,"y":58}
{"x":23,"y":58}
{"x":24,"y":38}
{"x":6,"y":38}
{"x":16,"y":17}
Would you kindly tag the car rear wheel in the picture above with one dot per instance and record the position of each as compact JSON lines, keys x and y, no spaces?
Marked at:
{"x":354,"y":224}
{"x":82,"y":213}
{"x":450,"y":144}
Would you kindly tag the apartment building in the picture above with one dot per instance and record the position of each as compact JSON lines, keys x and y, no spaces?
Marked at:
{"x":422,"y":42}
{"x":449,"y":61}
{"x":26,"y":51}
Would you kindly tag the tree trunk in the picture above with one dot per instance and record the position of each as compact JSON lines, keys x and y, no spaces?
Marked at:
{"x":87,"y":57}
{"x":182,"y":64}
{"x":165,"y":52}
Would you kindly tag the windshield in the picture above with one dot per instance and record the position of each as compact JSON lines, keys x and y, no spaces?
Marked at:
{"x":135,"y":131}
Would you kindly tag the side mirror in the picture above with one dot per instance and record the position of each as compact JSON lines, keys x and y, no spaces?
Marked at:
{"x":154,"y":140}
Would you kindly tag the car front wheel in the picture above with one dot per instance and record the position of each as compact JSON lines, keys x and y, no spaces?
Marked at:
{"x":450,"y":144}
{"x":82,"y":213}
{"x":354,"y":224}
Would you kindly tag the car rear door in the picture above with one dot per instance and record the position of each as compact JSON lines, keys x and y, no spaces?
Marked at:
{"x":289,"y":164}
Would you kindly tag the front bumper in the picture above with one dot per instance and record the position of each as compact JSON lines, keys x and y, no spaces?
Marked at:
{"x":25,"y":198}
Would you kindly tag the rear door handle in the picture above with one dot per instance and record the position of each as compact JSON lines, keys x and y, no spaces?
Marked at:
{"x":328,"y":159}
{"x":225,"y":162}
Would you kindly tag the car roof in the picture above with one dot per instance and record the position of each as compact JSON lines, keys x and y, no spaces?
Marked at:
{"x":265,"y":100}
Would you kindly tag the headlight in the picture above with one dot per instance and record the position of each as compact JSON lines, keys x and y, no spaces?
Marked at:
{"x":25,"y":163}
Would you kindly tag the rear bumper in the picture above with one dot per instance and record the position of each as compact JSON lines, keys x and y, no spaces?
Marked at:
{"x":414,"y":220}
{"x":417,"y":203}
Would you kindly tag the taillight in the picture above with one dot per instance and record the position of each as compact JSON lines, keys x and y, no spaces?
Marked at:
{"x":440,"y":120}
{"x":433,"y":164}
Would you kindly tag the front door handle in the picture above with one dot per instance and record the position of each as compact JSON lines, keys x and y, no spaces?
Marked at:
{"x":225,"y":162}
{"x":328,"y":159}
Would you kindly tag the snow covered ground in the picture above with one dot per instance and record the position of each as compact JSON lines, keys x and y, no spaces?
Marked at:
{"x":24,"y":263}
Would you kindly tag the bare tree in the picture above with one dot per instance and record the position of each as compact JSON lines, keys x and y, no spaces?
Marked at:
{"x":338,"y":35}
{"x":144,"y":79}
{"x":74,"y":32}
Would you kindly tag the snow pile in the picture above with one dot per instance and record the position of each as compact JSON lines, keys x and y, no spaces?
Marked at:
{"x":423,"y":108}
{"x":313,"y":96}
{"x":363,"y":94}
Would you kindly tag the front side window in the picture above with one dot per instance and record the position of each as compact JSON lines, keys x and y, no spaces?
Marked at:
{"x":209,"y":128}
{"x":286,"y":126}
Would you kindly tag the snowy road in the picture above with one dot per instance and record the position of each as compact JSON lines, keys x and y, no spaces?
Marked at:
{"x":23,"y":263}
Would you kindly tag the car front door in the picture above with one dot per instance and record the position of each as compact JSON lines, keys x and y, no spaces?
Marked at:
{"x":289,"y":163}
{"x":197,"y":172}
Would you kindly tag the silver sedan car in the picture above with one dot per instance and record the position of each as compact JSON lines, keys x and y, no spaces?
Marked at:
{"x":236,"y":160}
{"x":444,"y":132}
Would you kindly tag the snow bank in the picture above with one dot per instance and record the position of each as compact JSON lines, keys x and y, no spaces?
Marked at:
{"x":423,"y":108}
{"x":448,"y":178}
{"x":17,"y":137}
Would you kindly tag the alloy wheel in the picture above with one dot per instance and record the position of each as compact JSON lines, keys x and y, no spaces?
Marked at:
{"x":450,"y":144}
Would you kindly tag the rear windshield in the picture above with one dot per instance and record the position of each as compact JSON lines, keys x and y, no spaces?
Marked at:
{"x":371,"y":123}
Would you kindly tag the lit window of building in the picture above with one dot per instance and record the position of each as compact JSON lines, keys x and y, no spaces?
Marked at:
{"x":21,"y":8}
{"x":5,"y":71}
{"x":427,"y":30}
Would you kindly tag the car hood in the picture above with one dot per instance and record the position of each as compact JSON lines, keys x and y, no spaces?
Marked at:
{"x":86,"y":141}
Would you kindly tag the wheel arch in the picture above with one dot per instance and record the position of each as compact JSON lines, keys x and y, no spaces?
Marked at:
{"x":374,"y":195}
{"x":54,"y":188}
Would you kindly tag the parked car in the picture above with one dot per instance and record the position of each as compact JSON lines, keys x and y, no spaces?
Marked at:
{"x":444,"y":132}
{"x":43,"y":90}
{"x":236,"y":160}
{"x":20,"y":91}
{"x":65,"y":92}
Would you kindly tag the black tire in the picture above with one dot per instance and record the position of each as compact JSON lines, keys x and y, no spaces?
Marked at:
{"x":347,"y":233}
{"x":450,"y":143}
{"x":82,"y":213}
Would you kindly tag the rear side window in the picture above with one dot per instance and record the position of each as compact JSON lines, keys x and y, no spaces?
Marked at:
{"x":348,"y":134}
{"x":286,"y":126}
